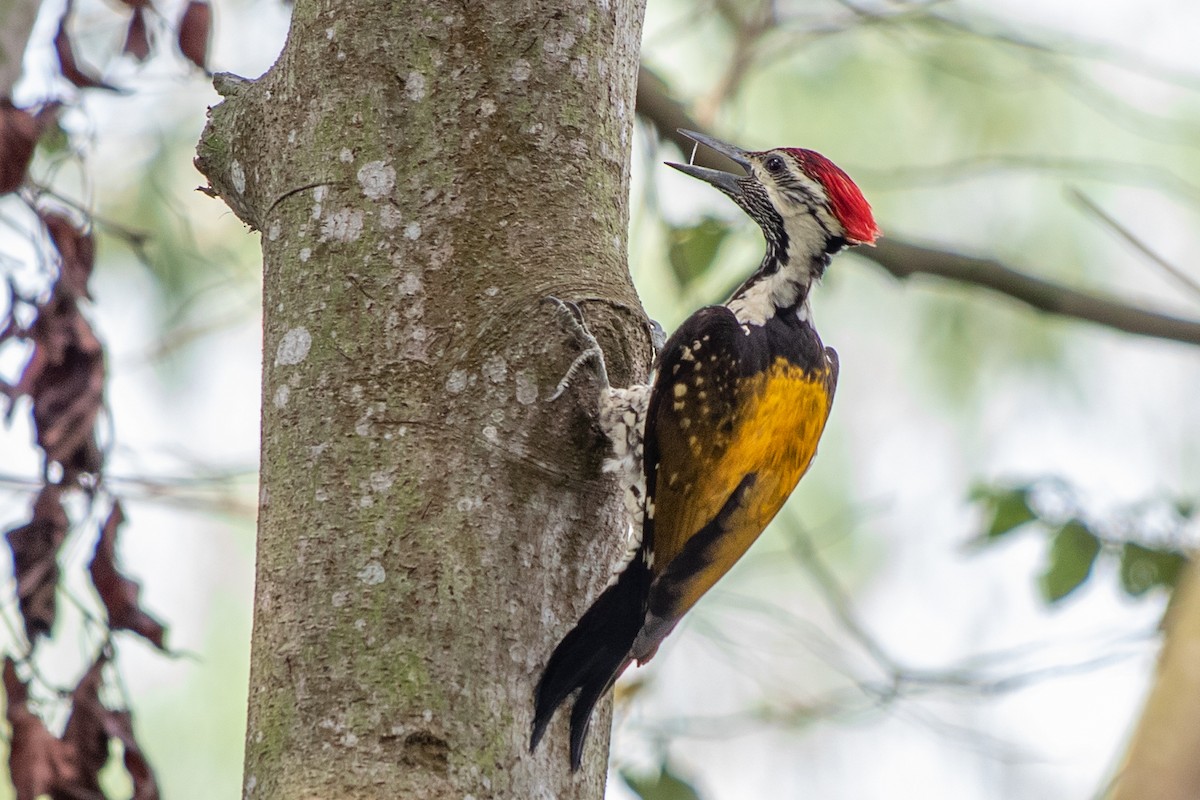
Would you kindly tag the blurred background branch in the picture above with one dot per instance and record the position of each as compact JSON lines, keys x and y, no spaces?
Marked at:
{"x":902,"y":259}
{"x":1182,"y":278}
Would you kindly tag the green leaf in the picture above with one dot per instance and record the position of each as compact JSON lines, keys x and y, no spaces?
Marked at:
{"x":664,"y":786}
{"x":691,"y":250}
{"x":1009,"y":509}
{"x":54,"y":141}
{"x":1073,"y":551}
{"x":1185,"y":508}
{"x":1143,"y":568}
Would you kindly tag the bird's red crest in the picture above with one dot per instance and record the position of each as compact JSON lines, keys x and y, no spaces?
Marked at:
{"x":845,"y":198}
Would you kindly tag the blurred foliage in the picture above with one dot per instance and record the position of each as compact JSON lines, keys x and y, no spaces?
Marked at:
{"x":55,"y":143}
{"x":664,"y":786}
{"x":962,"y":131}
{"x":1073,"y":551}
{"x":692,"y":249}
{"x":146,"y":215}
{"x":1143,"y":568}
{"x":967,"y":129}
{"x":181,"y":262}
{"x":1008,"y":509}
{"x":180,"y":252}
{"x":1146,"y":540}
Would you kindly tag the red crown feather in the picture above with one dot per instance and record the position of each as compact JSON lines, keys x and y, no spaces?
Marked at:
{"x":845,"y":198}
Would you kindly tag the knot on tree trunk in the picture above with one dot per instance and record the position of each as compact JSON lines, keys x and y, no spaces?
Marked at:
{"x":232,"y":175}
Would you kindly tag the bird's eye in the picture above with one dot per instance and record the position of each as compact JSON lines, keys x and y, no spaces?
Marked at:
{"x":775,"y":165}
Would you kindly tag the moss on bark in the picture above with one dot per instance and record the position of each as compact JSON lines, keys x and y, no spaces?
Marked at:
{"x":423,"y":174}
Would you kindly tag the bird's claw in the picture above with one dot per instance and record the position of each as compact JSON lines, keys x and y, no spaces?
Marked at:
{"x":572,"y":317}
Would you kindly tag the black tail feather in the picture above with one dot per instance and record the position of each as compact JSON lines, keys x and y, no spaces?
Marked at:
{"x":581,"y":712}
{"x":592,"y":655}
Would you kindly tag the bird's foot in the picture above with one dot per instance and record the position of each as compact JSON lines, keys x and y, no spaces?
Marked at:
{"x":571,"y":317}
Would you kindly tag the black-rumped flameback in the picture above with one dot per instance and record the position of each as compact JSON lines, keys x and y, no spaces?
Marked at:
{"x":713,"y":444}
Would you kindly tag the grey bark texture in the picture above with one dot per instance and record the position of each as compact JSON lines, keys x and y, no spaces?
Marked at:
{"x":423,"y":174}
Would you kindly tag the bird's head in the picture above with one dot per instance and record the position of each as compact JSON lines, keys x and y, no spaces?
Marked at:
{"x":798,"y":197}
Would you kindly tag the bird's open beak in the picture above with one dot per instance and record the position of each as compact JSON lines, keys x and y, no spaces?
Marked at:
{"x":725,"y":181}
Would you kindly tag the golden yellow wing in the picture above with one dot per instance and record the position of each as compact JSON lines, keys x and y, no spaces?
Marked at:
{"x":734,"y":424}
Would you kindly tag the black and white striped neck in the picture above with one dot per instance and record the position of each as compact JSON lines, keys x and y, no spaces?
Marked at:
{"x":782,"y":282}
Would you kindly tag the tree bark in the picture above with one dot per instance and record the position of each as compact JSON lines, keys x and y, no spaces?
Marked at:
{"x":423,"y":175}
{"x":1163,"y":759}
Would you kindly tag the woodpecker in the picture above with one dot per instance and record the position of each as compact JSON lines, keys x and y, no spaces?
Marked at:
{"x":713,"y":444}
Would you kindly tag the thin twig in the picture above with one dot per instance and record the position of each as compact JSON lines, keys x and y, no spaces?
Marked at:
{"x":837,"y":600}
{"x":137,"y":240}
{"x":748,"y":30}
{"x":1175,"y":272}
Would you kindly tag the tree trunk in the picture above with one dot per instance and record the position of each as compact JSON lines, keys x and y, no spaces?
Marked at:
{"x":1163,"y":758}
{"x":423,"y":175}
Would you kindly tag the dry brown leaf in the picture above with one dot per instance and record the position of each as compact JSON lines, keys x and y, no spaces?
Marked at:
{"x":69,"y":768}
{"x":85,"y":737}
{"x":66,"y":59}
{"x":65,"y":373}
{"x":38,"y":762}
{"x":195,"y":27}
{"x":137,"y":38}
{"x":35,"y":561}
{"x":119,"y":725}
{"x":65,"y":379}
{"x":119,"y":593}
{"x":18,"y":135}
{"x":76,"y":250}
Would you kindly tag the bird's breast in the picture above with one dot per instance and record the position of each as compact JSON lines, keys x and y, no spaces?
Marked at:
{"x":772,"y":433}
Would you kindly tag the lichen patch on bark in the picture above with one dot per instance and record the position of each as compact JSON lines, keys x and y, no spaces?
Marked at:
{"x":429,"y":525}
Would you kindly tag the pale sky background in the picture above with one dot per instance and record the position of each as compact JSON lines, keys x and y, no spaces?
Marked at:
{"x":885,"y":501}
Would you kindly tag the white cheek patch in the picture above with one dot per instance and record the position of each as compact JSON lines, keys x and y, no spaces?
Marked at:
{"x":804,"y":223}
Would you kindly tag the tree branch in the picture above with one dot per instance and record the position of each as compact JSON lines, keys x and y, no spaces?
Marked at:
{"x":1111,"y":222}
{"x":902,"y":259}
{"x":1161,"y":761}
